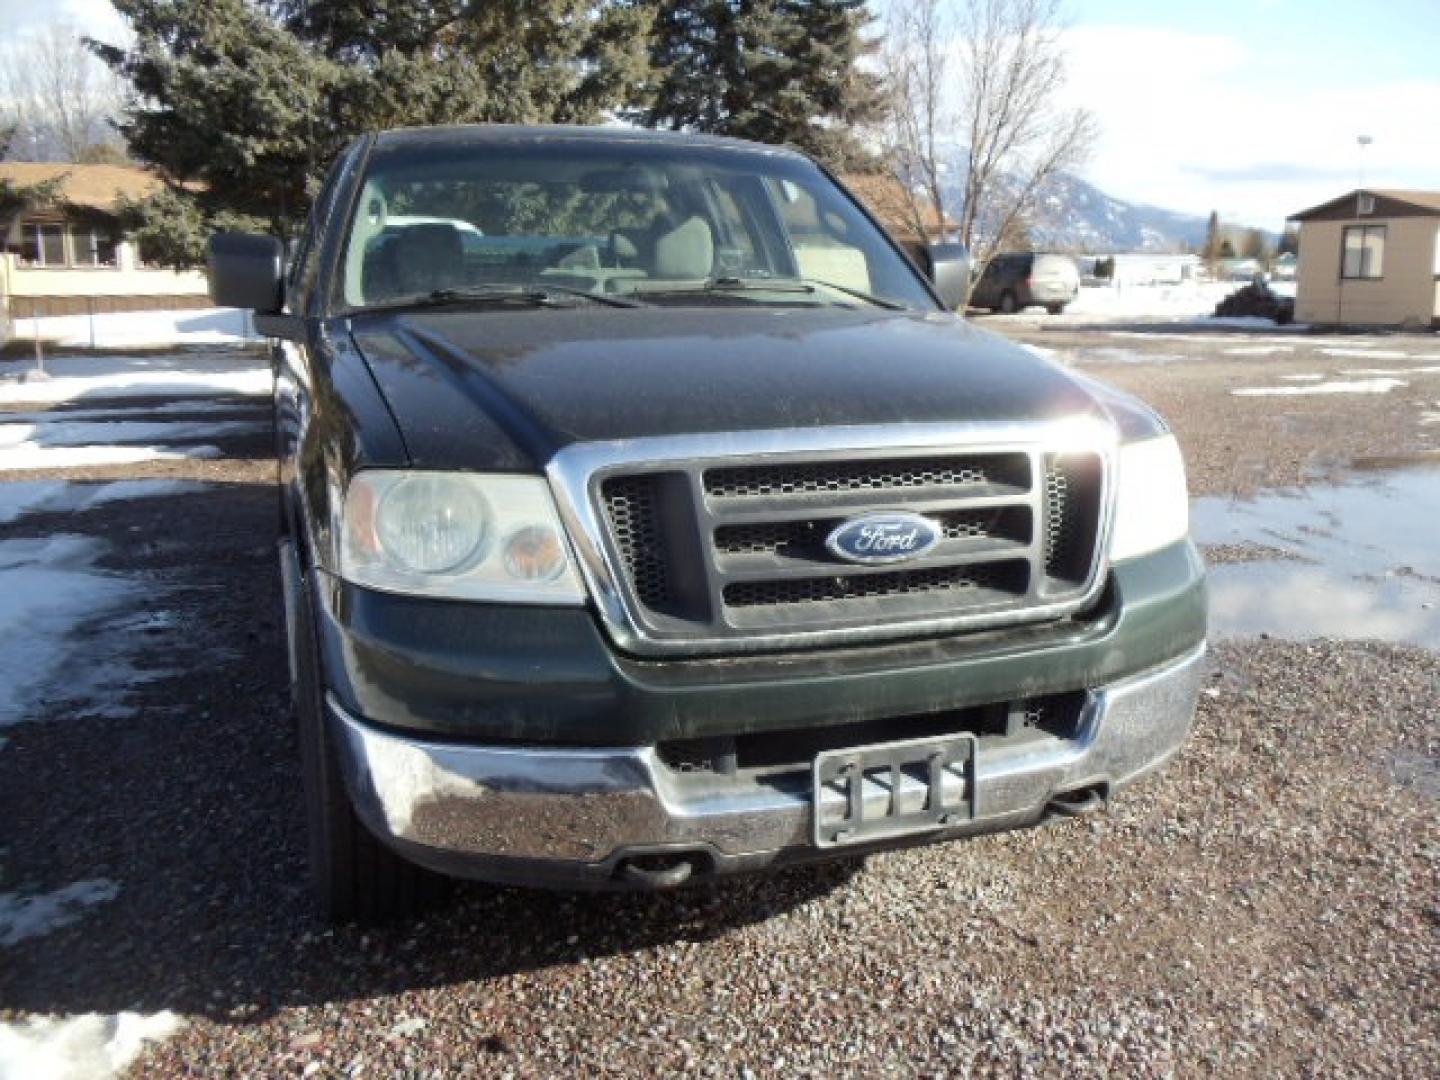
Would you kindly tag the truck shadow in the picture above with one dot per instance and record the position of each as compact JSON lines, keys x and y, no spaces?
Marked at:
{"x":183,"y":789}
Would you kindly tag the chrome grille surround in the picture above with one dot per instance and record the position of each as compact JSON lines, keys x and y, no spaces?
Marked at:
{"x":578,"y":472}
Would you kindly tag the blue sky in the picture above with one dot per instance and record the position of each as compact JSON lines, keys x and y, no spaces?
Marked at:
{"x":1248,"y":107}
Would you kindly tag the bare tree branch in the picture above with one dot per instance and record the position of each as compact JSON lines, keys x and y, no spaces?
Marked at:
{"x":59,"y":97}
{"x":979,"y":83}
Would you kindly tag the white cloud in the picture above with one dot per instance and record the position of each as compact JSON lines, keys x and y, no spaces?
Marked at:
{"x":97,"y":18}
{"x":1204,"y":121}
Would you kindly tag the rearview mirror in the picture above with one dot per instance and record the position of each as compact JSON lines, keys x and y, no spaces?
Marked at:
{"x":247,"y":271}
{"x":949,"y":269}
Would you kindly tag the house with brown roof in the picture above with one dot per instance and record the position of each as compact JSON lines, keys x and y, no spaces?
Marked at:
{"x":1370,"y":258}
{"x":69,"y":255}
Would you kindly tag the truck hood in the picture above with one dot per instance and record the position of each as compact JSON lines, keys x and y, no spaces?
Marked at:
{"x":505,"y":390}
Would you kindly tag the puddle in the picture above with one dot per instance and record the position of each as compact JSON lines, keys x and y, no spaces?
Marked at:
{"x":1371,"y":551}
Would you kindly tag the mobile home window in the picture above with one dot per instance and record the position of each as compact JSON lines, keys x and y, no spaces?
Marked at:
{"x":1363,"y":252}
{"x":42,"y":244}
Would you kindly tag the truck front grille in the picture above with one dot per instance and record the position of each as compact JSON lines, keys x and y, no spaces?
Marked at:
{"x":734,"y":550}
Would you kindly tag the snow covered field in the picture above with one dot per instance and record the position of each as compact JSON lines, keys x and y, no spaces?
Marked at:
{"x":137,"y":329}
{"x":74,"y":630}
{"x":1187,"y":303}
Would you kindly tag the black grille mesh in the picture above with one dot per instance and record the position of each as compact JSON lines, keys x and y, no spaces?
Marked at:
{"x":1010,"y":577}
{"x":1068,"y":541}
{"x":632,"y":502}
{"x":749,"y":481}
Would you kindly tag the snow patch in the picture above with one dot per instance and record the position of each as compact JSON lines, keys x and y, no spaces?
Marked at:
{"x":23,"y":917}
{"x":120,"y":410}
{"x":1305,"y":377}
{"x":21,"y":498}
{"x":48,"y":589}
{"x":1259,"y":350}
{"x":119,"y":432}
{"x":85,"y":1047}
{"x":1253,"y":322}
{"x":116,"y":329}
{"x":1360,"y":386}
{"x":71,"y":378}
{"x":1367,"y":352}
{"x":1393,"y":371}
{"x":31,"y":456}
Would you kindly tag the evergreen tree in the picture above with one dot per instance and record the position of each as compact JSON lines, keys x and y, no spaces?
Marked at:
{"x":1210,"y":252}
{"x":242,"y":105}
{"x":1254,"y":245}
{"x":777,"y":71}
{"x":15,"y":198}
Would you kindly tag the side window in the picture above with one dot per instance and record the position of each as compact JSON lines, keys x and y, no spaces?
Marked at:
{"x":1362,"y":252}
{"x":305,"y":264}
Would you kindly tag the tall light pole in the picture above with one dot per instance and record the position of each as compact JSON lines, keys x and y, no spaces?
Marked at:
{"x":1362,"y":141}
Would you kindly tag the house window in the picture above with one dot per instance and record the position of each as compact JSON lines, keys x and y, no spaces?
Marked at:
{"x":92,"y":246}
{"x":1367,"y":204}
{"x":42,"y":244}
{"x":1362,"y":252}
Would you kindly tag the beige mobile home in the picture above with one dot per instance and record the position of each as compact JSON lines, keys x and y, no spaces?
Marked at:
{"x":1370,"y":258}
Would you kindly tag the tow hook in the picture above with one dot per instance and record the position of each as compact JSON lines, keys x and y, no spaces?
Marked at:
{"x":1076,"y":803}
{"x":660,"y":871}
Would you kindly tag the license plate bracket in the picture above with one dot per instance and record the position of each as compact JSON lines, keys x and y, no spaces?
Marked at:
{"x":879,"y":792}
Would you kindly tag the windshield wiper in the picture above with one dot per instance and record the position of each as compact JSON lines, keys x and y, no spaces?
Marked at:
{"x":534,"y":296}
{"x":869,"y":298}
{"x":730,"y":283}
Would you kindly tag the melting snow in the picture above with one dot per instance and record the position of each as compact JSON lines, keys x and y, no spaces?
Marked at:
{"x":1259,"y":350}
{"x":31,"y":456}
{"x":1367,"y":352}
{"x":1394,"y":371}
{"x":19,"y":498}
{"x":72,"y":378}
{"x":66,"y":432}
{"x":24,"y":917}
{"x":86,"y":1047}
{"x":49,"y":587}
{"x":1360,"y":386}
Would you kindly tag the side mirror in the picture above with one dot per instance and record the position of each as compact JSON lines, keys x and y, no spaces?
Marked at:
{"x":949,"y":267}
{"x":247,"y":271}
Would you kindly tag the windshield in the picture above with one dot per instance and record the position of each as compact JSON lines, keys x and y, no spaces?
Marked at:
{"x":656,"y":223}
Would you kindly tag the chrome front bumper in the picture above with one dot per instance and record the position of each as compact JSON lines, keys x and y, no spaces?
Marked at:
{"x":568,"y":816}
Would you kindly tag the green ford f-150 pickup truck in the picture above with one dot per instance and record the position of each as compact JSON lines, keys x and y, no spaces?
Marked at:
{"x":649,"y":515}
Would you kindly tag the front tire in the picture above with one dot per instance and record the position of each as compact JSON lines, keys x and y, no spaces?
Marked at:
{"x":353,"y":877}
{"x":1054,"y":309}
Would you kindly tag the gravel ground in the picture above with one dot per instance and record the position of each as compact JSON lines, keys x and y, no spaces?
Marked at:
{"x":1269,"y":904}
{"x":1236,"y":445}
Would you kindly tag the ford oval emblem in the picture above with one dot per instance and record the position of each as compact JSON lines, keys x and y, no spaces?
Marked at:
{"x":883,"y":538}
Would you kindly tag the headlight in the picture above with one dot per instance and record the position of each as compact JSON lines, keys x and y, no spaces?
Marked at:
{"x":1152,"y":507}
{"x":463,"y":536}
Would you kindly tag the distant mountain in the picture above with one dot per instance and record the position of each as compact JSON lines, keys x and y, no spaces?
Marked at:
{"x":1075,"y":215}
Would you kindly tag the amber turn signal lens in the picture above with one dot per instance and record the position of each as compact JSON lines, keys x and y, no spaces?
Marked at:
{"x":534,"y":553}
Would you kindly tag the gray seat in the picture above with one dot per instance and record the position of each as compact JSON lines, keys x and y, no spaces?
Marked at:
{"x":422,"y":259}
{"x":686,"y":252}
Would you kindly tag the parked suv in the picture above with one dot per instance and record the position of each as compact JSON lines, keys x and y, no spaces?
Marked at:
{"x":666,"y":522}
{"x":1013,"y":282}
